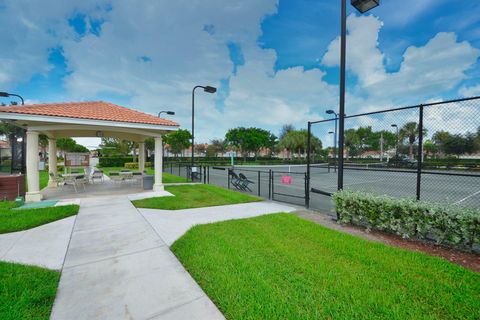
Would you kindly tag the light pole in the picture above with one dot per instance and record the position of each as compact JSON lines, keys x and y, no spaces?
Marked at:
{"x":7,"y":94}
{"x":170,"y":113}
{"x":334,"y":139}
{"x":12,"y":137}
{"x":362,"y":6}
{"x":396,"y":144}
{"x":207,"y":89}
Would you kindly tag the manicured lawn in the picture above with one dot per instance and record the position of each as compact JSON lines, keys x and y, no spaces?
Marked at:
{"x":194,"y":196}
{"x":26,"y":292}
{"x":282,"y":267}
{"x":167,"y":177}
{"x":43,"y":179}
{"x":17,"y":220}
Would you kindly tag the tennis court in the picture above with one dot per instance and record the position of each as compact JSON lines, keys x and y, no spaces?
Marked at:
{"x":458,"y":187}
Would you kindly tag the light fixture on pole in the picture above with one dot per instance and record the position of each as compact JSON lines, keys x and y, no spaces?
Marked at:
{"x":7,"y":94}
{"x":170,"y":113}
{"x":396,"y":144}
{"x":362,"y":6}
{"x":207,"y":89}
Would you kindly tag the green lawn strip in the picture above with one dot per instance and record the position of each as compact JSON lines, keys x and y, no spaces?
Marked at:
{"x":26,"y":292}
{"x":167,"y":177}
{"x":17,"y":220}
{"x":194,"y":196}
{"x":43,"y":179}
{"x":283,"y":267}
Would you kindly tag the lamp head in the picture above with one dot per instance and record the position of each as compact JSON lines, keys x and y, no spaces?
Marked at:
{"x":364,"y":5}
{"x":330,"y":112}
{"x":210,"y":89}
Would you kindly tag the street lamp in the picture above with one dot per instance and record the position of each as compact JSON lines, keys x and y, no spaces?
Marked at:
{"x":334,"y":139}
{"x":362,"y":6}
{"x":6,"y":95}
{"x":207,"y":89}
{"x":396,"y":145}
{"x":170,"y":113}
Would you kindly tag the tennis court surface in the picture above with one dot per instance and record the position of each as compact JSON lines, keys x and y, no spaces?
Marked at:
{"x":438,"y":186}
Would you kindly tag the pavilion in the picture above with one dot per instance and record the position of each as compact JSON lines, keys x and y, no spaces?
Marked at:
{"x":84,"y":119}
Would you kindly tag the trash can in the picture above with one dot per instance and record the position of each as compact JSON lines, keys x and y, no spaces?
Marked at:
{"x":148,"y":182}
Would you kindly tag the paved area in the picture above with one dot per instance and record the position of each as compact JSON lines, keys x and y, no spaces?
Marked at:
{"x":117,"y":267}
{"x":43,"y":246}
{"x":171,"y":225}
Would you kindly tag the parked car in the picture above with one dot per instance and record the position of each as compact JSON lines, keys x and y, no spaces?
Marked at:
{"x":402,"y":162}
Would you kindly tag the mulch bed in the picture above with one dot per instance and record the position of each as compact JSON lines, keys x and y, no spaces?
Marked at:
{"x":465,"y":259}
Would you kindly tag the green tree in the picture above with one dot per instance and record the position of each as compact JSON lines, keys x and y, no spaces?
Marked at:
{"x":216,"y":146}
{"x":297,"y":142}
{"x":66,"y":145}
{"x":248,"y":139}
{"x":430,"y":148}
{"x":352,"y":143}
{"x":178,"y":141}
{"x":409,"y":132}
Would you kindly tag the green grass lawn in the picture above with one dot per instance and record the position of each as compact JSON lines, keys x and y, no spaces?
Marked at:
{"x":43,"y":179}
{"x":283,"y":267}
{"x":26,"y":292}
{"x":17,"y":220}
{"x":166,"y":177}
{"x":194,"y":196}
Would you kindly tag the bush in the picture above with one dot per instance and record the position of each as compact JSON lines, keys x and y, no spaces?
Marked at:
{"x":451,"y":225}
{"x":114,"y":161}
{"x":134,"y":165}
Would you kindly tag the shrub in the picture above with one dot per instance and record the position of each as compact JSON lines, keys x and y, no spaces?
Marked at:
{"x":448,"y":224}
{"x":114,"y":161}
{"x":134,"y":165}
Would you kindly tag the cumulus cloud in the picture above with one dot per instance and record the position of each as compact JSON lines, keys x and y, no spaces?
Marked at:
{"x":426,"y":71}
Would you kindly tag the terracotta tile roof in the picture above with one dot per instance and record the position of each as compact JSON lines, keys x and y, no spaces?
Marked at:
{"x":94,"y":110}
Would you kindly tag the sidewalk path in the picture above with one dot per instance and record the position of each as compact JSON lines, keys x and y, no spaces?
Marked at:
{"x":117,"y":267}
{"x":43,"y":246}
{"x":172,"y":224}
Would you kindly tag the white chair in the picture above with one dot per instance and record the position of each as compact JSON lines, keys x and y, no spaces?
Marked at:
{"x":97,"y":174}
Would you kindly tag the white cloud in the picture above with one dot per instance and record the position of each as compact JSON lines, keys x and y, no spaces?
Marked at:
{"x":470,"y":91}
{"x":425,"y":72}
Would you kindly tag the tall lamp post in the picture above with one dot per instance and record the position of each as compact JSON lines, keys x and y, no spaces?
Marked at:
{"x":207,"y":89}
{"x":12,"y":163}
{"x":396,"y":144}
{"x":334,"y":139}
{"x":170,"y":113}
{"x":362,"y":6}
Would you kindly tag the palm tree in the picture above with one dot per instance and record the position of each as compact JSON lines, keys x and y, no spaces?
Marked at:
{"x":410,"y":132}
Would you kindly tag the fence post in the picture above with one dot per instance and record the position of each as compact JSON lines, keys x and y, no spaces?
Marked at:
{"x":258,"y":183}
{"x":208,"y":174}
{"x":307,"y":191}
{"x":307,"y":175}
{"x":204,"y":175}
{"x":228,"y":178}
{"x":273,"y":190}
{"x":270,"y":184}
{"x":419,"y":151}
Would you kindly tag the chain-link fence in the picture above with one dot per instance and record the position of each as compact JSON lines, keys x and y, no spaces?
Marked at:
{"x":429,"y":152}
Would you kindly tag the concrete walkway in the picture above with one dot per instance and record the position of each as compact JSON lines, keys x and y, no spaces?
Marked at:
{"x":172,"y":224}
{"x":117,"y":267}
{"x":43,"y":246}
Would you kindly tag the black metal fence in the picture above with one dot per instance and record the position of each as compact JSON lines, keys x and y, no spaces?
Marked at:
{"x":429,"y":151}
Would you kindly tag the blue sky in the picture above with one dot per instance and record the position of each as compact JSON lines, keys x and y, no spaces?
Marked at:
{"x":274,"y":62}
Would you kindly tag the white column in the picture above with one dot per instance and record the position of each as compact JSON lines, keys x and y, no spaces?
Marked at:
{"x":52,"y":161}
{"x":141,"y":156}
{"x":33,"y":193}
{"x":158,"y":186}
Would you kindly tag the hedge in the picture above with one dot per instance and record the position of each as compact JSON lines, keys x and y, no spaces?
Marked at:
{"x":451,"y":225}
{"x":114,"y":161}
{"x":134,"y":165}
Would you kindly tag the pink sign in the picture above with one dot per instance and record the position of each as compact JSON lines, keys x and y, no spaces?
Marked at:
{"x":286,"y":179}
